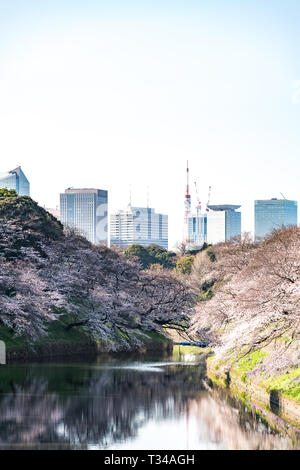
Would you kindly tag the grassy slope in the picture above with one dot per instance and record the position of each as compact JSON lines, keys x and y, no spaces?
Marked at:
{"x":58,"y":334}
{"x":246,"y":369}
{"x":287,"y":383}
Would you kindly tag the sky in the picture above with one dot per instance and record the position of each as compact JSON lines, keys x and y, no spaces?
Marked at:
{"x":112,"y":94}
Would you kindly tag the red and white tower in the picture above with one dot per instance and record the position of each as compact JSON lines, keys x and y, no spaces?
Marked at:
{"x":187,"y":207}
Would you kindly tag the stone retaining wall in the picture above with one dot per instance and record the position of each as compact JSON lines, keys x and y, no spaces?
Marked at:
{"x":281,"y":412}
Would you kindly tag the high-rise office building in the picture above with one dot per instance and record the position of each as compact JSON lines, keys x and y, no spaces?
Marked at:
{"x":224,"y":223}
{"x":273,"y":214}
{"x":219,"y":224}
{"x":15,"y":179}
{"x":197,"y":229}
{"x":86,"y":211}
{"x":139,"y":225}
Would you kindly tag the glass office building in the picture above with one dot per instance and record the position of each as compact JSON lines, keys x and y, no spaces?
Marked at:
{"x":197,"y":229}
{"x":139,"y":225}
{"x":273,"y":214}
{"x":224,"y":223}
{"x":219,"y":224}
{"x":15,"y":179}
{"x":86,"y":211}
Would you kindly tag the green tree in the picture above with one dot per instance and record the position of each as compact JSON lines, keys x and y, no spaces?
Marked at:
{"x":161,"y":256}
{"x":25,"y":212}
{"x":7,"y":193}
{"x":152,"y":254}
{"x":184,"y":264}
{"x":140,"y":253}
{"x":211,"y":254}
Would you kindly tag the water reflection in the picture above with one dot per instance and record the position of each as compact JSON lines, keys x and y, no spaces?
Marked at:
{"x":129,"y":404}
{"x":232,"y":427}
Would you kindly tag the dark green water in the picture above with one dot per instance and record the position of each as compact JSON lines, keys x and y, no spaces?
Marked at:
{"x":129,"y":403}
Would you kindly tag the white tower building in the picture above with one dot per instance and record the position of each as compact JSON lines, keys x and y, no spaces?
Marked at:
{"x":140,"y":225}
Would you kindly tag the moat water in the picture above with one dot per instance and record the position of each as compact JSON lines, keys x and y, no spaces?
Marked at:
{"x":126,"y":403}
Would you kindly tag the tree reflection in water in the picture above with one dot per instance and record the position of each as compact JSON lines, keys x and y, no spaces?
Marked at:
{"x":82,"y":405}
{"x":227,"y":424}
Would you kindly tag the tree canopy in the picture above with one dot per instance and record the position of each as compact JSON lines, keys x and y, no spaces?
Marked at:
{"x":152,"y":254}
{"x":23,"y":211}
{"x":45,"y":273}
{"x":184,"y":264}
{"x":253,"y":297}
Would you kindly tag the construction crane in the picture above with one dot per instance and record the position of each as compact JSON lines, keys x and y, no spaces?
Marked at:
{"x":208,"y":199}
{"x":198,"y":206}
{"x":198,"y":211}
{"x":187,"y":205}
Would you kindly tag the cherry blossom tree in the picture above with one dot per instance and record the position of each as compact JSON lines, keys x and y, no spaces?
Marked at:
{"x":256,"y":297}
{"x":44,"y":275}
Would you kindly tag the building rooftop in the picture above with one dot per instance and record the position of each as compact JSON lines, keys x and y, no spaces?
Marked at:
{"x":11,"y":172}
{"x":274,"y":199}
{"x":224,"y":207}
{"x":134,"y":209}
{"x":83,"y":190}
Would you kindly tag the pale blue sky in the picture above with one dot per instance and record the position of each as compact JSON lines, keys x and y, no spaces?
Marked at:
{"x":113,"y":93}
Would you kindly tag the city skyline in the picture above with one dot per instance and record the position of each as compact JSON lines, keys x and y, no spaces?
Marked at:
{"x":218,"y":230}
{"x":111,"y":95}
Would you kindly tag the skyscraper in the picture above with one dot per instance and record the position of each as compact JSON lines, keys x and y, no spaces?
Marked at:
{"x":273,"y":214}
{"x":15,"y":179}
{"x":139,"y":225}
{"x":219,"y":224}
{"x":224,"y":223}
{"x":197,"y":229}
{"x":86,"y":211}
